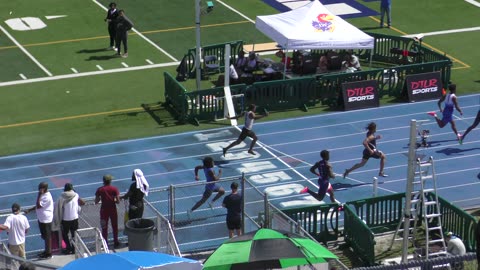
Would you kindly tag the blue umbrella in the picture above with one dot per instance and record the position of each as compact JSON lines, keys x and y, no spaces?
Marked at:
{"x":133,"y":260}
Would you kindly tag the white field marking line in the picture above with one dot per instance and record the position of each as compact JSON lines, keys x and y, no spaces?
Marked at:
{"x":149,"y":61}
{"x":236,"y":11}
{"x":214,"y":129}
{"x":124,"y":64}
{"x":473,"y":2}
{"x":99,"y":67}
{"x":25,"y":51}
{"x":194,"y":156}
{"x":309,"y":165}
{"x":286,"y":164}
{"x":142,"y":36}
{"x":470,"y":29}
{"x":90,"y":73}
{"x":22,"y":76}
{"x":73,"y":70}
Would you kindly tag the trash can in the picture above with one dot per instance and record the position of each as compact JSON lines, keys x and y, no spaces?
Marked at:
{"x":140,"y":234}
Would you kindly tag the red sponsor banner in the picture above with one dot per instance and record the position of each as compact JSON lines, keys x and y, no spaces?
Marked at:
{"x":359,"y":95}
{"x":424,"y":86}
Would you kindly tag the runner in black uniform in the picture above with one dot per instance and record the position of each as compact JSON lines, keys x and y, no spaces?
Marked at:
{"x":370,"y":151}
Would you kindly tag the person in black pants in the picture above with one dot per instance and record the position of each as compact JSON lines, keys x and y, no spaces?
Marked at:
{"x":233,"y":203}
{"x":123,"y":24}
{"x":138,"y":189}
{"x":112,"y":15}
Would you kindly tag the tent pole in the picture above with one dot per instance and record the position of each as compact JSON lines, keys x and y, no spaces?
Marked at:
{"x":371,"y":57}
{"x":285,"y":64}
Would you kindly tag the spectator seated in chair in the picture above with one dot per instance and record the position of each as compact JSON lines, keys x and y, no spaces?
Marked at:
{"x":241,"y":62}
{"x":284,"y":59}
{"x":351,"y":63}
{"x":234,"y":78}
{"x":251,"y":65}
{"x":322,"y":64}
{"x":334,"y":61}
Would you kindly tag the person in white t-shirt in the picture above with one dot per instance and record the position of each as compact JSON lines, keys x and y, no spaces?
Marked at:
{"x":44,"y":209}
{"x":66,"y":212}
{"x":17,"y":226}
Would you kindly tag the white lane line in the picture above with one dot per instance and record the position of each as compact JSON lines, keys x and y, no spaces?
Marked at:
{"x":444,"y":32}
{"x":22,"y":76}
{"x":149,"y":61}
{"x":99,"y":67}
{"x":142,"y":36}
{"x":236,"y":11}
{"x":25,"y":51}
{"x":90,"y":73}
{"x":124,"y":64}
{"x":473,"y":2}
{"x":74,"y":70}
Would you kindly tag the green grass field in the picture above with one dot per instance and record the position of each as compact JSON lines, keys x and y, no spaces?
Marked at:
{"x":76,"y":93}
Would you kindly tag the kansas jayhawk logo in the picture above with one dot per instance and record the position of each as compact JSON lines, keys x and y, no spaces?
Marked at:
{"x":324,"y":23}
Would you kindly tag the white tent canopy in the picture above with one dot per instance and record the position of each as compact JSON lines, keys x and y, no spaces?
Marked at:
{"x":312,"y":27}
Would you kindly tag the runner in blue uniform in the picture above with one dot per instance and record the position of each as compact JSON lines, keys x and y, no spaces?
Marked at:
{"x":211,"y":186}
{"x":370,"y":151}
{"x":447,"y":112}
{"x":324,"y":173}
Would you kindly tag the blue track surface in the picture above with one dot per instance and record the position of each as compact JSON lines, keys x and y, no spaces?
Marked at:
{"x":285,"y":152}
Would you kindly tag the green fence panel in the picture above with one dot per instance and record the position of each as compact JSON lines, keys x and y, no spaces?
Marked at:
{"x":320,"y":221}
{"x":282,"y":94}
{"x":359,"y":236}
{"x":175,"y":96}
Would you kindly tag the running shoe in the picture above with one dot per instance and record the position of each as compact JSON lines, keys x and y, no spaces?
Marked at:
{"x":434,"y":114}
{"x":460,"y":139}
{"x":251,"y":152}
{"x":345,"y":174}
{"x":304,"y":190}
{"x":382,"y":174}
{"x":224,"y":150}
{"x":210,"y":204}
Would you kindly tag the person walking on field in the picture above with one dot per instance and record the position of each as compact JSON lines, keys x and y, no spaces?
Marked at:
{"x":211,"y":186}
{"x":233,"y":203}
{"x":110,"y":197}
{"x":123,"y":25}
{"x":370,"y":151}
{"x":112,"y":14}
{"x":17,"y":226}
{"x":247,"y":131}
{"x":386,"y":8}
{"x":324,"y":173}
{"x":447,"y":112}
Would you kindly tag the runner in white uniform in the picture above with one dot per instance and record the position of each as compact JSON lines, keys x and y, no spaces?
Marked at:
{"x":247,"y":131}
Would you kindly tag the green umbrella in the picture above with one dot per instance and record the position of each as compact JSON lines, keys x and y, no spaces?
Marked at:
{"x":267,"y":249}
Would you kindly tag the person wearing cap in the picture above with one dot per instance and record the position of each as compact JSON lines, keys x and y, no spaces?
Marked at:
{"x":17,"y":226}
{"x":66,"y":212}
{"x":138,"y":189}
{"x":112,"y":14}
{"x":109,"y":196}
{"x":455,"y":245}
{"x":44,"y":210}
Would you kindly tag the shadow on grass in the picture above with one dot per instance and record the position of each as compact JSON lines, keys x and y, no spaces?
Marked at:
{"x":101,"y":57}
{"x":94,"y":50}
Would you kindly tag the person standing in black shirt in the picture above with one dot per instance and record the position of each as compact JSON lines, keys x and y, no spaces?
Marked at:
{"x":138,"y":189}
{"x":123,"y":25}
{"x":233,"y":203}
{"x":112,"y":15}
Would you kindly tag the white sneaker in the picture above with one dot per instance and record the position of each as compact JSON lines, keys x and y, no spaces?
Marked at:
{"x":210,"y":204}
{"x":125,"y":55}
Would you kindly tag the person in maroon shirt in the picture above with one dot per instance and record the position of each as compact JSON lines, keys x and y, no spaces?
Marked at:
{"x":109,"y":196}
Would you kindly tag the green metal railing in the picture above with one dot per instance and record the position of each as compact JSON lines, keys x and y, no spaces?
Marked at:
{"x":383,"y":214}
{"x":320,"y":221}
